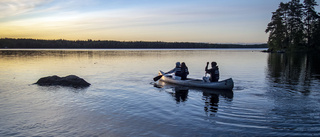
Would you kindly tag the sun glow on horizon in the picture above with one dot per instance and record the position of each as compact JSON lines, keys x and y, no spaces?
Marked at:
{"x":192,"y":21}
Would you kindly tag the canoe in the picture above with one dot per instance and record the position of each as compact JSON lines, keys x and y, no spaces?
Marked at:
{"x":190,"y":82}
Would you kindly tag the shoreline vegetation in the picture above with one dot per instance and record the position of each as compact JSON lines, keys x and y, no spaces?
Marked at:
{"x":12,"y":43}
{"x":294,"y":26}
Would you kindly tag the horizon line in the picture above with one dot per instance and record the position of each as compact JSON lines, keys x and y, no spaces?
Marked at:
{"x":239,"y":43}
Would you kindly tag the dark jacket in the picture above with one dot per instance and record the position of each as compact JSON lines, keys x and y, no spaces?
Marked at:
{"x":214,"y":73}
{"x":184,"y":73}
{"x":178,"y":71}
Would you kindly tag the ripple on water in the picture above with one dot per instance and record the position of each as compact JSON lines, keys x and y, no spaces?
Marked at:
{"x":122,"y":102}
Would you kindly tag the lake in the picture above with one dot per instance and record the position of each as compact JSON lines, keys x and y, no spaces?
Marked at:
{"x":274,"y":94}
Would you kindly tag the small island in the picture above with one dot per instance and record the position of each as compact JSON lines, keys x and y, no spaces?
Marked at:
{"x":294,"y":26}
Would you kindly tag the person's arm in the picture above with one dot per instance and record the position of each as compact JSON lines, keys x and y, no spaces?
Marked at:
{"x":206,"y":69}
{"x":171,"y":71}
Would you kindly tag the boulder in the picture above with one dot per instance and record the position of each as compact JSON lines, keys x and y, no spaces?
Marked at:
{"x":70,"y":81}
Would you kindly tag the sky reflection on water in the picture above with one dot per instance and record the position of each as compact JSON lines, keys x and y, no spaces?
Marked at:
{"x":274,"y":94}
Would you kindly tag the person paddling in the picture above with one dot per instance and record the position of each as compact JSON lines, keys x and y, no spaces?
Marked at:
{"x":214,"y":72}
{"x":176,"y":70}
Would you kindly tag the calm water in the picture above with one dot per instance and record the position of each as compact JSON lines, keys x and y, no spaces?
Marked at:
{"x":274,"y":94}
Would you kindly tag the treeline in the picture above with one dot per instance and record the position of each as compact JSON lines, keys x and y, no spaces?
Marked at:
{"x":106,"y":44}
{"x":295,"y":26}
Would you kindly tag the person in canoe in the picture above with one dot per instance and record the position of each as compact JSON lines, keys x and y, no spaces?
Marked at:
{"x":176,"y":70}
{"x":214,"y":72}
{"x":184,"y":71}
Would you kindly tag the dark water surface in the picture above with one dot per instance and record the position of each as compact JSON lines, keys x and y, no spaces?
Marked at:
{"x":274,"y":94}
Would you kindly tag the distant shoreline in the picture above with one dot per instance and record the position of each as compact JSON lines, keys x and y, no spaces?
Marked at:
{"x":11,"y":43}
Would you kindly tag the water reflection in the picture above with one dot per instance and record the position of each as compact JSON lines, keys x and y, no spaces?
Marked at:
{"x":119,"y":94}
{"x":212,"y":98}
{"x":85,"y":52}
{"x":179,"y":93}
{"x":211,"y":102}
{"x":293,"y":71}
{"x":55,"y":89}
{"x":209,"y":96}
{"x":294,"y":91}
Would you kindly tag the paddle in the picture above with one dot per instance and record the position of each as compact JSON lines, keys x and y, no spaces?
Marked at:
{"x":158,"y":77}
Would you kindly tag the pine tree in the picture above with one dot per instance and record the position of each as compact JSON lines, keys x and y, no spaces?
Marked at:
{"x":285,"y":10}
{"x":310,"y":20}
{"x":278,"y":36}
{"x":295,"y":24}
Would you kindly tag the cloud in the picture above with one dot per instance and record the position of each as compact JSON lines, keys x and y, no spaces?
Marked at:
{"x":127,"y":20}
{"x":17,"y":7}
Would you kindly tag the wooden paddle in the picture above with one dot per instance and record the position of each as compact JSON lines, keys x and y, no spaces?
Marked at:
{"x":157,"y":78}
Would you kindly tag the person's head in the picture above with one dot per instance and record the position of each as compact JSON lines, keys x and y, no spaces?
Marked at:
{"x":213,"y":64}
{"x":183,"y":65}
{"x":178,"y":64}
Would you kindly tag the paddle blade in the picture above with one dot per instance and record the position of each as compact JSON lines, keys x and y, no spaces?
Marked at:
{"x":157,"y":78}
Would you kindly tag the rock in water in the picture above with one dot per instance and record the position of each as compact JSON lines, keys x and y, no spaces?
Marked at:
{"x":70,"y":81}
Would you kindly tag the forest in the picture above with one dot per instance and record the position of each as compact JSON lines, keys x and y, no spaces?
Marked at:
{"x":107,"y":44}
{"x":295,"y":26}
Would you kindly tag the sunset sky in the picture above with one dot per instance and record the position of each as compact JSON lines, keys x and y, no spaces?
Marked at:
{"x":214,"y":21}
